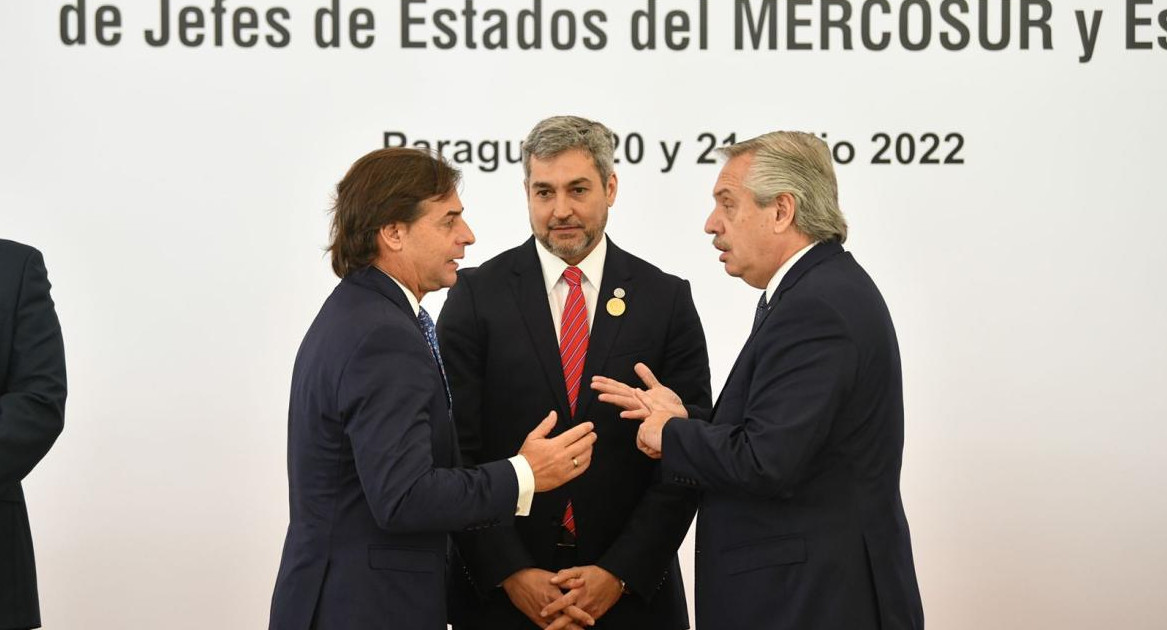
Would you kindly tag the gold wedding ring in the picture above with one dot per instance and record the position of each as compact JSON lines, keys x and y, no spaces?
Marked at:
{"x":574,"y":463}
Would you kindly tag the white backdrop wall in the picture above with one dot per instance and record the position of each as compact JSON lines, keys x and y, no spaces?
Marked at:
{"x":180,"y":194}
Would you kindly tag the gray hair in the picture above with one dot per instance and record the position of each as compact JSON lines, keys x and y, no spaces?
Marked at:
{"x":552,"y":136}
{"x":799,"y":164}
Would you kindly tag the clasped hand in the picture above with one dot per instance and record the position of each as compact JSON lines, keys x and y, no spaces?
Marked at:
{"x":569,"y":600}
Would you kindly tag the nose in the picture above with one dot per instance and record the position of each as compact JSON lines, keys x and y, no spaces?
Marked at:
{"x":713,"y":223}
{"x":561,"y":208}
{"x":466,"y":237}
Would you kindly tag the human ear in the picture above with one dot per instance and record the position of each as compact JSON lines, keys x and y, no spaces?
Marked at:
{"x":392,"y":236}
{"x":785,"y":208}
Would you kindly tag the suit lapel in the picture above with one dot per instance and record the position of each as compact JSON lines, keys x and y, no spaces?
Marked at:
{"x":605,"y":327}
{"x":531,"y":296}
{"x":376,"y":280}
{"x":810,"y":260}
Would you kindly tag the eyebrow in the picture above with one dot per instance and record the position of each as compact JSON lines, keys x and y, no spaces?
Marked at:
{"x":722,"y":192}
{"x":575,"y":182}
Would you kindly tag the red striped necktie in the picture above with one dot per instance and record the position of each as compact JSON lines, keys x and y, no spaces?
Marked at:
{"x":573,"y":348}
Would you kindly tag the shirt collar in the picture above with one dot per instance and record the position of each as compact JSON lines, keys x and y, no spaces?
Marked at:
{"x":592,"y":265}
{"x":413,"y":303}
{"x":783,"y":270}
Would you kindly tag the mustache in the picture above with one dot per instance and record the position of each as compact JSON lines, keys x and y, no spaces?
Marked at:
{"x":720,"y":244}
{"x":564,"y":224}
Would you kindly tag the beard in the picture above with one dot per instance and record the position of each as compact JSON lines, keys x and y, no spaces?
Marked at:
{"x":575,"y":249}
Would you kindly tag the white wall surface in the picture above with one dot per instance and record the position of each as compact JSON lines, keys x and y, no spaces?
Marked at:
{"x":180,"y":197}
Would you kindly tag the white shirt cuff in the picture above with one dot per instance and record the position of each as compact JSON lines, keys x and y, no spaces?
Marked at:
{"x":526,"y":479}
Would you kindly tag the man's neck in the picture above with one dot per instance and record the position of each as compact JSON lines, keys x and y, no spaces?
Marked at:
{"x":785,"y":253}
{"x":405,"y":280}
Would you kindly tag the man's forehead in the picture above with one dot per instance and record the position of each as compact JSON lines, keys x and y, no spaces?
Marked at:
{"x":731,"y":179}
{"x":727,"y":184}
{"x":575,"y":164}
{"x":442,"y":206}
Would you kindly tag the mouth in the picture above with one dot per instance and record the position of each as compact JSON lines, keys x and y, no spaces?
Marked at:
{"x":723,"y":249}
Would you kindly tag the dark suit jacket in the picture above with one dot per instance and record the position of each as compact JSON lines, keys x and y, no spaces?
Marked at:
{"x":500,"y":349}
{"x":373,"y":477}
{"x":32,"y":414}
{"x":801,"y":523}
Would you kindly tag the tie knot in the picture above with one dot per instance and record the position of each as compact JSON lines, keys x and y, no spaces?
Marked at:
{"x":573,"y":276}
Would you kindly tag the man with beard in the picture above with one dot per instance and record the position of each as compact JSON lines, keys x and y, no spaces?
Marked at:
{"x":523,"y":332}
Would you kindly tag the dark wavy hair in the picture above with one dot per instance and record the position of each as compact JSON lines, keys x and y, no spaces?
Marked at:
{"x":383,"y":187}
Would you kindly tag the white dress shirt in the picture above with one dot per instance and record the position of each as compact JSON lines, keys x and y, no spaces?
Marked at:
{"x":592,"y":267}
{"x":783,"y":270}
{"x":523,"y":472}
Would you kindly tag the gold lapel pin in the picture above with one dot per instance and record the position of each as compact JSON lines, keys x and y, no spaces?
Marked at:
{"x":616,"y":306}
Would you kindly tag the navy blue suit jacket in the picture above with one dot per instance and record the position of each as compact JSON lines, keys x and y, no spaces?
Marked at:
{"x":373,"y":477}
{"x":500,"y":347}
{"x":32,"y":414}
{"x":801,"y":523}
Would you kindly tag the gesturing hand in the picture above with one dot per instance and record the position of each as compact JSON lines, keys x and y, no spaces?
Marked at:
{"x":556,"y":461}
{"x":624,"y":396}
{"x":651,"y":432}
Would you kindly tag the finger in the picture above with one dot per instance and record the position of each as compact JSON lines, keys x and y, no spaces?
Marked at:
{"x":646,"y":449}
{"x":579,"y":615}
{"x":557,"y":606}
{"x":581,"y":447}
{"x":579,"y":465}
{"x":646,"y":375}
{"x":641,"y":436}
{"x":543,"y":428}
{"x":563,"y":622}
{"x":606,"y":385}
{"x":640,"y":413}
{"x":585,"y":462}
{"x":625,"y":401}
{"x":573,"y":583}
{"x":566,"y":574}
{"x":573,"y":434}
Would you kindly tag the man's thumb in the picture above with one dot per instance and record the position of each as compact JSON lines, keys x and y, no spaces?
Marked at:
{"x":646,"y":375}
